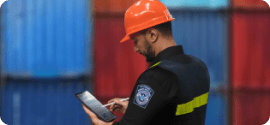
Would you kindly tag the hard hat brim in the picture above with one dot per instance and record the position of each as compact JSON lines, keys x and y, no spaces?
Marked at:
{"x":125,"y":38}
{"x":135,"y":30}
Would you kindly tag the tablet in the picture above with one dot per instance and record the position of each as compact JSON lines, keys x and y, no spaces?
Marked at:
{"x":95,"y":106}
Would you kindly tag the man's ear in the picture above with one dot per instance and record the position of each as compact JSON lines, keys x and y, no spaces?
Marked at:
{"x":152,"y":35}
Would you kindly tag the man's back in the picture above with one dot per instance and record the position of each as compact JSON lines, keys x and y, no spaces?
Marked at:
{"x":192,"y":92}
{"x":179,"y":87}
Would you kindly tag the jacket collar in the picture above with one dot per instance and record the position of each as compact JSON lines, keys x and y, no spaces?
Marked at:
{"x":168,"y":52}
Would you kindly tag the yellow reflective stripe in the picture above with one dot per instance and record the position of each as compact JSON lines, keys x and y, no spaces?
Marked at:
{"x":155,"y":64}
{"x":189,"y":106}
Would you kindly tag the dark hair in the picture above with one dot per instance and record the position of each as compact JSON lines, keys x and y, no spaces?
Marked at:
{"x":164,"y":28}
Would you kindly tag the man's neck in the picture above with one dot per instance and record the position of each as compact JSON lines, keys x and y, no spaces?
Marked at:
{"x":164,"y":45}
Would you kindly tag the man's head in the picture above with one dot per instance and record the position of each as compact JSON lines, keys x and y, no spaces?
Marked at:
{"x":150,"y":41}
{"x":148,"y":22}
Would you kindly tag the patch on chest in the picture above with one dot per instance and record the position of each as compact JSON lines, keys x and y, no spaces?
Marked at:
{"x":143,"y":95}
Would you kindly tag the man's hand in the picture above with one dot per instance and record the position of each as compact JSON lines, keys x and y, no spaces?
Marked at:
{"x":94,"y":118}
{"x":119,"y":105}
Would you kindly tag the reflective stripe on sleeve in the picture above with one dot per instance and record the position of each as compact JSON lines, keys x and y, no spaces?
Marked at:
{"x":189,"y":106}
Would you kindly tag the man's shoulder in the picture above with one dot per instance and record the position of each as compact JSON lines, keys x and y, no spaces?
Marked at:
{"x":157,"y":73}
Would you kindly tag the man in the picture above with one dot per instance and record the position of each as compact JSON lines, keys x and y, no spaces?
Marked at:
{"x":174,"y":90}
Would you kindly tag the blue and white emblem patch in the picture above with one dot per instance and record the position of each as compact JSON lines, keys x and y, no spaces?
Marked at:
{"x":143,"y":95}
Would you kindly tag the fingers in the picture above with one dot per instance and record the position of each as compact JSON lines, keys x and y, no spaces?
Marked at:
{"x":122,"y":103}
{"x":93,"y":117}
{"x":113,"y":100}
{"x":111,"y":106}
{"x":119,"y":105}
{"x":116,"y":99}
{"x":115,"y":107}
{"x":89,"y":112}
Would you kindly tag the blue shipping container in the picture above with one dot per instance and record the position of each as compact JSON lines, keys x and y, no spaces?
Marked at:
{"x":203,"y":33}
{"x":217,"y":109}
{"x":43,"y":102}
{"x":46,"y":38}
{"x":196,"y":4}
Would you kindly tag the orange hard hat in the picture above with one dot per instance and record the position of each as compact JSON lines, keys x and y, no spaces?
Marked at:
{"x":145,"y":14}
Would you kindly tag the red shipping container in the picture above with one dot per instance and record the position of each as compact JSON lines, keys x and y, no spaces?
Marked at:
{"x":250,"y":50}
{"x":116,"y":65}
{"x":250,"y":107}
{"x":107,"y":6}
{"x":250,"y":4}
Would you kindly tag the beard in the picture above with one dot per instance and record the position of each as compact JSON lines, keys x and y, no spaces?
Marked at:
{"x":150,"y":54}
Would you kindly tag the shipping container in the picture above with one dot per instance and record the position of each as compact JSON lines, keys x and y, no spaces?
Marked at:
{"x":250,"y":53}
{"x":196,"y":4}
{"x":112,"y":6}
{"x":250,"y":107}
{"x":250,"y":4}
{"x":203,"y":34}
{"x":43,"y":102}
{"x":117,"y":66}
{"x":217,"y":109}
{"x":46,"y":38}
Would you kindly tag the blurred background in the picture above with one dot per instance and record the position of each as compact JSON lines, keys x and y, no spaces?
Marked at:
{"x":52,"y":49}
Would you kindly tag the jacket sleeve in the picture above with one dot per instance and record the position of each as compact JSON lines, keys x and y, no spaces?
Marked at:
{"x":140,"y":111}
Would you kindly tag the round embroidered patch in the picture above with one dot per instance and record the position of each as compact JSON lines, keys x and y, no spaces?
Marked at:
{"x":143,"y":95}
